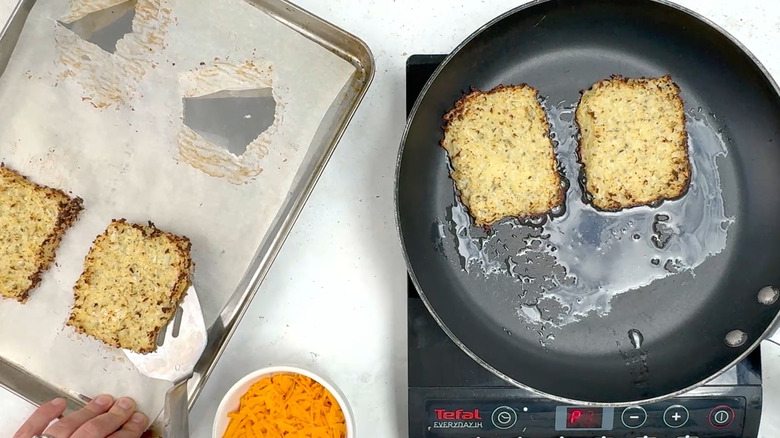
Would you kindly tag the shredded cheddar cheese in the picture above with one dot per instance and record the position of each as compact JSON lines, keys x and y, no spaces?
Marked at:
{"x":287,"y":406}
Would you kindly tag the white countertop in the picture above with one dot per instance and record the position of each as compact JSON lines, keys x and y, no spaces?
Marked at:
{"x":335,"y":299}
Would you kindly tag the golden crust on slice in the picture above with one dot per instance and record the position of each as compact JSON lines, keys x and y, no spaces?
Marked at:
{"x":134,"y":279}
{"x":33,"y":219}
{"x":633,"y":144}
{"x":503,"y":161}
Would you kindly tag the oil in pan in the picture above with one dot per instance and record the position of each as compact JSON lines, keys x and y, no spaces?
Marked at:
{"x":575,"y":263}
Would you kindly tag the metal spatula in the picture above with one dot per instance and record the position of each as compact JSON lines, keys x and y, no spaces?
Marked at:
{"x":175,"y":360}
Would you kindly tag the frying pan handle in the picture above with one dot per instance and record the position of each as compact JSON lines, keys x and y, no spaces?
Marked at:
{"x":773,"y":335}
{"x":177,"y":423}
{"x":770,"y":388}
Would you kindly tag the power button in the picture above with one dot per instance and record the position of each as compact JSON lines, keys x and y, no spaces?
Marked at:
{"x":503,"y":417}
{"x":721,"y":416}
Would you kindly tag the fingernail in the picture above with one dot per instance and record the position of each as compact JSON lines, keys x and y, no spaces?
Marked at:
{"x":125,"y":403}
{"x":103,"y":400}
{"x":58,"y":402}
{"x":138,"y":418}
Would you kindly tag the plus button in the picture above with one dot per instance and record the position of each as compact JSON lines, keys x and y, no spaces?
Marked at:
{"x":676,"y":416}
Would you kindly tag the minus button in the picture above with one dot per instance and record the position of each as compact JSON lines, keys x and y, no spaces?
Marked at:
{"x":633,"y":417}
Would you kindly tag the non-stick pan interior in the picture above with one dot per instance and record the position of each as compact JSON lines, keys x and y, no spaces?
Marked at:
{"x":656,"y":340}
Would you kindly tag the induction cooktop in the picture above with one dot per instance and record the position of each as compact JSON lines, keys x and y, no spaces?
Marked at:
{"x":451,"y":395}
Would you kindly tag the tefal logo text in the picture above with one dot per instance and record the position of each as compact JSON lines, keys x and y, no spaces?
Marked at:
{"x":458,"y":414}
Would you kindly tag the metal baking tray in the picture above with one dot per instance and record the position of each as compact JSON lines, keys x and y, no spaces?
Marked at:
{"x":331,"y":128}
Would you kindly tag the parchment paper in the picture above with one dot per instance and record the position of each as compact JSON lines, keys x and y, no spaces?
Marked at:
{"x":108,"y":128}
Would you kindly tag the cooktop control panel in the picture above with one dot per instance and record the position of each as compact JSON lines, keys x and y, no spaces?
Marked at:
{"x":682,"y":417}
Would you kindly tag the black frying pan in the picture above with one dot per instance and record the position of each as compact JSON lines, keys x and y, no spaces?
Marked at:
{"x":683,"y":319}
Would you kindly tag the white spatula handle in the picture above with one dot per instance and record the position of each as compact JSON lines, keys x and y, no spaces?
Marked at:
{"x":176,"y":414}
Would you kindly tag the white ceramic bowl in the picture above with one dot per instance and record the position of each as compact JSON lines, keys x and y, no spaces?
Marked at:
{"x":232,"y":398}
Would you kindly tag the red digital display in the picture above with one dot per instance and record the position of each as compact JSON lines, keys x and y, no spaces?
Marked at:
{"x":584,"y":418}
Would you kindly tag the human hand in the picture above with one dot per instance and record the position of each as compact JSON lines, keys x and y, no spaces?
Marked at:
{"x":103,"y":417}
